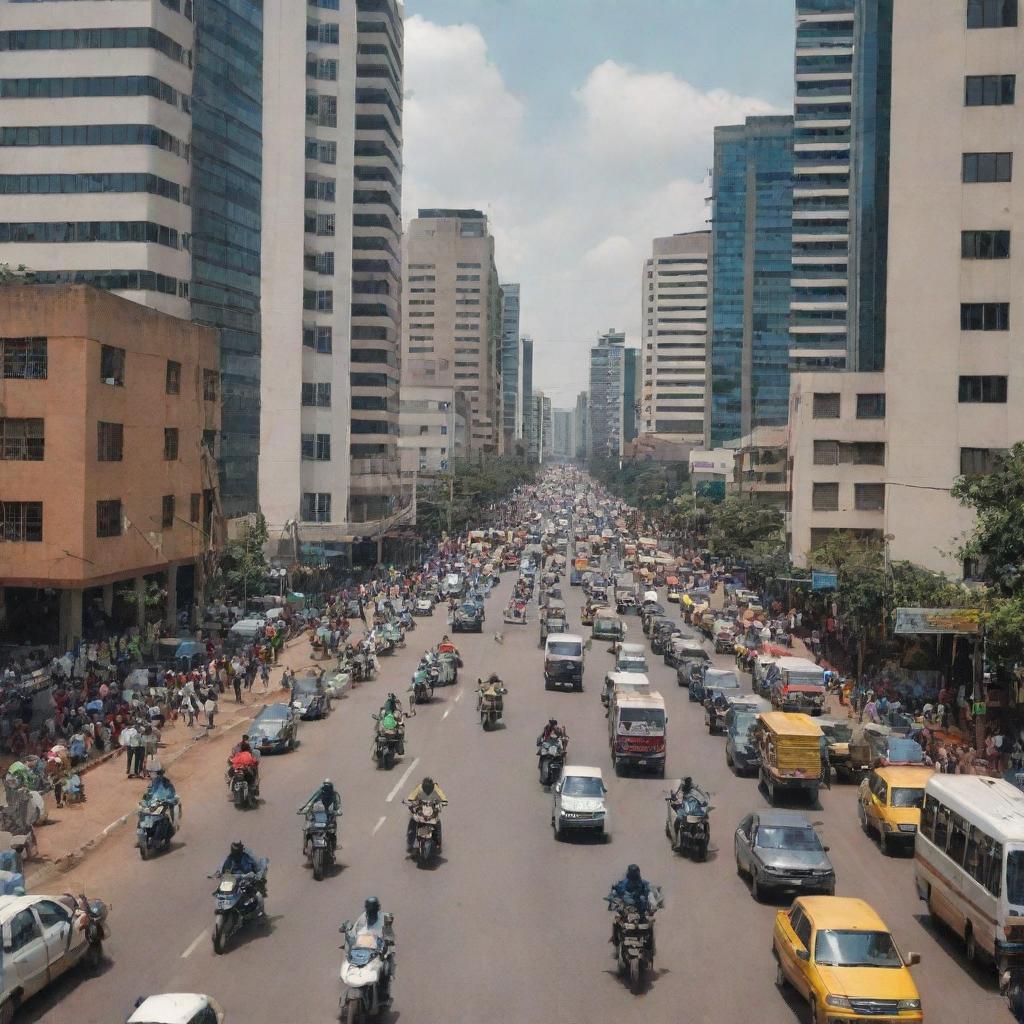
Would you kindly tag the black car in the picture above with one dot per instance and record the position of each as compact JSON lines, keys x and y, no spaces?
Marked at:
{"x":662,"y":631}
{"x":468,"y":618}
{"x":649,"y":613}
{"x":309,"y":700}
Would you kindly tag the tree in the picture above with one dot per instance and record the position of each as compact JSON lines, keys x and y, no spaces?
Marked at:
{"x":242,"y":567}
{"x":16,"y":275}
{"x":738,"y":527}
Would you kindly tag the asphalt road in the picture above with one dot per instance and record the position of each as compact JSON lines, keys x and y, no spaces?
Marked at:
{"x":510,"y":925}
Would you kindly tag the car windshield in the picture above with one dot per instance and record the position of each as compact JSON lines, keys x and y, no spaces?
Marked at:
{"x":582,"y":785}
{"x":788,"y":837}
{"x":743,"y":723}
{"x":905,"y":796}
{"x":653,"y":717}
{"x":836,"y":948}
{"x":565,"y":649}
{"x":722,"y":681}
{"x":305,"y":685}
{"x":469,"y":609}
{"x":273,"y":714}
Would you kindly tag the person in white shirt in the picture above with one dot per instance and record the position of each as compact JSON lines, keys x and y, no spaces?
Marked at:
{"x":131,"y":740}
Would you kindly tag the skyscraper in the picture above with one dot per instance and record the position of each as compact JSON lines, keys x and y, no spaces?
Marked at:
{"x":511,"y":366}
{"x":751,"y":243}
{"x":607,"y":375}
{"x":527,"y":385}
{"x":630,"y":394}
{"x":675,"y":307}
{"x":581,"y":426}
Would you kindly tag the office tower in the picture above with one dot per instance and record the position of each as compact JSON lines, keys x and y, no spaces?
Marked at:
{"x":821,"y":183}
{"x":563,"y":441}
{"x":452,"y":331}
{"x":675,"y":338}
{"x":581,"y":426}
{"x":752,"y":213}
{"x":511,"y":367}
{"x":607,"y":375}
{"x":630,"y":394}
{"x":547,"y":429}
{"x":527,"y":357}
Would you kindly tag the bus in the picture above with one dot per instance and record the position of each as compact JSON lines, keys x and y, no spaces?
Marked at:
{"x":969,"y":864}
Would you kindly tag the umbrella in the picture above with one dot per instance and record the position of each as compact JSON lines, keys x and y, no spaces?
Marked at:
{"x":188,"y":648}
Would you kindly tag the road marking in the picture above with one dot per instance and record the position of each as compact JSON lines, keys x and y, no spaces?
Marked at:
{"x":402,"y":781}
{"x":376,"y":828}
{"x":192,"y":945}
{"x":458,"y":696}
{"x":447,"y":713}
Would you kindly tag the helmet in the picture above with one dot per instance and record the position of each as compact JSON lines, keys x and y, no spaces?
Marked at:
{"x":633,"y":873}
{"x":327,"y":784}
{"x":687,"y":784}
{"x":552,"y":722}
{"x":372,"y":908}
{"x":237,"y":848}
{"x":427,"y":785}
{"x":494,"y":678}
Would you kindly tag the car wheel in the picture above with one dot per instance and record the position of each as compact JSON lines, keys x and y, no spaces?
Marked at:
{"x":755,"y":888}
{"x":883,"y":842}
{"x":814,"y":1016}
{"x":8,"y":1009}
{"x":780,"y":974}
{"x":728,"y":758}
{"x":970,"y":946}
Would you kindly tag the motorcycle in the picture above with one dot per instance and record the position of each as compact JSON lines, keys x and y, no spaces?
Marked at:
{"x":552,"y":761}
{"x":491,"y":706}
{"x":425,"y":678}
{"x":319,"y":841}
{"x":157,"y":824}
{"x":92,"y":916}
{"x":366,"y":975}
{"x":688,"y":825}
{"x":427,"y":817}
{"x":386,"y":744}
{"x":237,"y":905}
{"x":634,"y":947}
{"x":245,"y":787}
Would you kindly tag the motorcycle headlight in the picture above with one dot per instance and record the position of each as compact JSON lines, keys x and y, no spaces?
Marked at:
{"x":909,"y":1004}
{"x":841,"y":1001}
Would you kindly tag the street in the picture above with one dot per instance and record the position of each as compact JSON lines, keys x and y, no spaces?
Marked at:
{"x":509,"y":925}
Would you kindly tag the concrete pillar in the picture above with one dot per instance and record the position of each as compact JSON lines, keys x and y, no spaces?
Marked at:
{"x":70,"y":625}
{"x":140,"y":601}
{"x":108,"y":598}
{"x":171,"y":605}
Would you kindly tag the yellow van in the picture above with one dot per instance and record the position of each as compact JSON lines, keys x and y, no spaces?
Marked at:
{"x":839,"y":956}
{"x":889,"y":803}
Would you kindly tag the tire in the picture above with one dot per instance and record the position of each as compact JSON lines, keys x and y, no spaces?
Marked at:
{"x":428,"y":852}
{"x":636,"y":976}
{"x":8,"y":1010}
{"x":240,"y":798}
{"x":351,"y":1011}
{"x":144,"y":851}
{"x":485,"y":721}
{"x":780,"y":974}
{"x":319,"y":862}
{"x":971,"y":951}
{"x":755,"y":889}
{"x":728,"y":759}
{"x":814,"y":1015}
{"x":389,"y":760}
{"x":547,"y":683}
{"x":93,"y":959}
{"x":219,"y":936}
{"x":700,"y":852}
{"x":883,"y":843}
{"x":559,"y":831}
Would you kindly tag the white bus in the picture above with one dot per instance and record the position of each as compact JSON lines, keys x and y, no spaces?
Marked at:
{"x":969,"y":863}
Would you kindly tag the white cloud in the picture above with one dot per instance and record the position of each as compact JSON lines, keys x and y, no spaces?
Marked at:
{"x":573,"y":218}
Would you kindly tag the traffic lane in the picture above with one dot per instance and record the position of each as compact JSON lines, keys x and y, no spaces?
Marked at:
{"x":170,"y":898}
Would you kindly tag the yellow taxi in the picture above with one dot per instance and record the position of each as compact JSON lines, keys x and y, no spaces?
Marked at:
{"x":839,"y":956}
{"x":889,"y":803}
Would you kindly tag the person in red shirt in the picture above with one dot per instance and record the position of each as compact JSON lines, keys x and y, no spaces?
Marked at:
{"x":243,"y":761}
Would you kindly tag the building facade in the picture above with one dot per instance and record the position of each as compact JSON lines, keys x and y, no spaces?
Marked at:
{"x":630,"y":394}
{"x":435,"y":428}
{"x":563,"y":436}
{"x":752,"y":214}
{"x":607,"y":377}
{"x":452,"y":333}
{"x":109,"y":417}
{"x":511,"y":367}
{"x":581,"y":426}
{"x":675,"y":333}
{"x":528,"y":427}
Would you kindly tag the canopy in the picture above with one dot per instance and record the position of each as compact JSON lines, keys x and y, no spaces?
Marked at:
{"x":188,"y":648}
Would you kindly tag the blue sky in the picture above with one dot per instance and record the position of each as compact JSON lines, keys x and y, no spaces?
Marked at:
{"x":584,"y":128}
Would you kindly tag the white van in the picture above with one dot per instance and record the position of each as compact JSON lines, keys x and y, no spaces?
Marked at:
{"x":563,"y":661}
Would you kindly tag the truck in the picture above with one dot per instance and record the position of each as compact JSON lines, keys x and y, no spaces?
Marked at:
{"x":798,"y":685}
{"x":637,"y":731}
{"x":790,"y":749}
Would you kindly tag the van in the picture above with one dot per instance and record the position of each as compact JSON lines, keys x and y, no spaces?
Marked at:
{"x":798,"y":685}
{"x":637,"y":728}
{"x":563,"y":661}
{"x":889,"y":803}
{"x":631,"y":658}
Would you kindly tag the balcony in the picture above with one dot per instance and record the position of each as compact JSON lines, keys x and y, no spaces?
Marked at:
{"x":377,"y":476}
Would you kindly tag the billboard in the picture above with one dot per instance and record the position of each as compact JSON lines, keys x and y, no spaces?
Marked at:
{"x":824,"y":581}
{"x":958,"y":621}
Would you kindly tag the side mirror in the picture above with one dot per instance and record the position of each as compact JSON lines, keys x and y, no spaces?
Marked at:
{"x":912,"y":958}
{"x":803,"y":954}
{"x":826,"y":848}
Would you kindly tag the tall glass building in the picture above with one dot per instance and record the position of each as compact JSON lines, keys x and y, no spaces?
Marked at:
{"x":511,"y":366}
{"x":752,"y":220}
{"x":227,"y":141}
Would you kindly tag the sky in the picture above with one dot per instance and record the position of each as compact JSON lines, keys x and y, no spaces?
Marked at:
{"x":584,"y":129}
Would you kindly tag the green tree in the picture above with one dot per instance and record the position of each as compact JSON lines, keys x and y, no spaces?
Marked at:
{"x":738,"y":527}
{"x":242,"y":566}
{"x":15,"y":275}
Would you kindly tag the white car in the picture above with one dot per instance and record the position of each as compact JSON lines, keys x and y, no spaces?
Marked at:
{"x":578,"y":802}
{"x":43,"y":936}
{"x":423,"y":606}
{"x":178,"y":1008}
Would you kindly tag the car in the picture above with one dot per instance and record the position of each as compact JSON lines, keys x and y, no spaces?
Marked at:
{"x":275,"y":728}
{"x":720,"y":678}
{"x":662,"y":631}
{"x":309,"y":699}
{"x":423,"y":606}
{"x":178,"y":1008}
{"x":468,"y":618}
{"x":781,"y":851}
{"x":741,"y":753}
{"x":578,"y":802}
{"x":889,"y":804}
{"x":838,"y":954}
{"x":651,"y":611}
{"x":43,"y":938}
{"x":681,"y":647}
{"x":563,"y":661}
{"x":631,"y":658}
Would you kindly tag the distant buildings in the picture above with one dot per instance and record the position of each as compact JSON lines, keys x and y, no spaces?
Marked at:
{"x":581,"y":426}
{"x":563,"y":439}
{"x":435,"y":423}
{"x":527,"y":394}
{"x":511,"y":367}
{"x":607,"y":381}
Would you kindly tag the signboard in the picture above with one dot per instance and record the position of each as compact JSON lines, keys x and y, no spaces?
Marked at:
{"x":957,"y":621}
{"x":717,"y":461}
{"x":824,"y":581}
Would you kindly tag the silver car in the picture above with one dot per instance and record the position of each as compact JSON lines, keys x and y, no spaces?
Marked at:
{"x":780,"y":850}
{"x":578,"y":802}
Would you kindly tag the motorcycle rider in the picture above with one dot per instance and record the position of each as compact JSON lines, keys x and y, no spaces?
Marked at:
{"x":242,"y":861}
{"x":373,"y":922}
{"x":327,"y":796}
{"x":392,"y":705}
{"x":688,"y":790}
{"x":446,"y":646}
{"x":553,"y":731}
{"x":427,"y":792}
{"x":634,"y":890}
{"x":161,"y":791}
{"x":244,"y":761}
{"x":491,"y":687}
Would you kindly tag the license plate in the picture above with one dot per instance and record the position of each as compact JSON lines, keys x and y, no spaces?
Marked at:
{"x":424,"y":833}
{"x":642,"y":761}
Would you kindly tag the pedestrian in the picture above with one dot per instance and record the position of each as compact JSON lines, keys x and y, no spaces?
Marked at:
{"x":236,"y":684}
{"x":265,"y":675}
{"x":131,"y":740}
{"x":210,"y":707}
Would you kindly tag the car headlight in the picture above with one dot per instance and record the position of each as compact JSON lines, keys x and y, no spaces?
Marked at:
{"x":908,"y":828}
{"x":887,"y":827}
{"x":909,"y":1004}
{"x":841,"y":1001}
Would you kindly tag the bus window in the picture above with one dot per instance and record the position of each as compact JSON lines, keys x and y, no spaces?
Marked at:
{"x":928,"y":818}
{"x":993,"y":867}
{"x":957,"y":839}
{"x":1015,"y":877}
{"x":972,"y":858}
{"x":941,"y":826}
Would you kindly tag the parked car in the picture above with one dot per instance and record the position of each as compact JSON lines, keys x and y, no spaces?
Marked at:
{"x":309,"y":700}
{"x":275,"y":729}
{"x":780,"y":850}
{"x":178,"y":1008}
{"x":468,"y":618}
{"x":662,"y":632}
{"x":578,"y":802}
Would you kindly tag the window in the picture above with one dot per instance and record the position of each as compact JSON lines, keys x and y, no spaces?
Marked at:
{"x":108,"y":518}
{"x":991,"y":13}
{"x":316,"y":395}
{"x":871,"y":407}
{"x":323,"y":263}
{"x":979,"y":461}
{"x":167,"y":511}
{"x":316,"y":507}
{"x":982,"y":167}
{"x":989,"y":90}
{"x":325,"y":224}
{"x":24,"y":930}
{"x":209,"y":440}
{"x":23,"y":358}
{"x":170,"y":444}
{"x":109,"y":442}
{"x":984,"y":316}
{"x":989,"y":389}
{"x":316,"y":447}
{"x":173,"y":383}
{"x":985,"y":245}
{"x":195,"y":507}
{"x":826,"y":405}
{"x":869,"y":497}
{"x":957,"y":846}
{"x":112,"y":365}
{"x":21,"y":521}
{"x":51,"y":913}
{"x":21,"y":440}
{"x":825,"y":498}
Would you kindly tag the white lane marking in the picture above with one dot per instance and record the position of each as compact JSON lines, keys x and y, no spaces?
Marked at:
{"x":402,"y":781}
{"x":446,"y":714}
{"x":376,"y":828}
{"x":458,"y":696}
{"x":192,"y":945}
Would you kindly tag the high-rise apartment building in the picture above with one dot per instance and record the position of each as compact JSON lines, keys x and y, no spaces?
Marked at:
{"x":675,"y":338}
{"x":751,"y":243}
{"x":563,"y":440}
{"x":511,"y":367}
{"x":630,"y":394}
{"x":452,"y":320}
{"x":547,"y":429}
{"x":607,"y":375}
{"x":821,"y":186}
{"x":145,"y":181}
